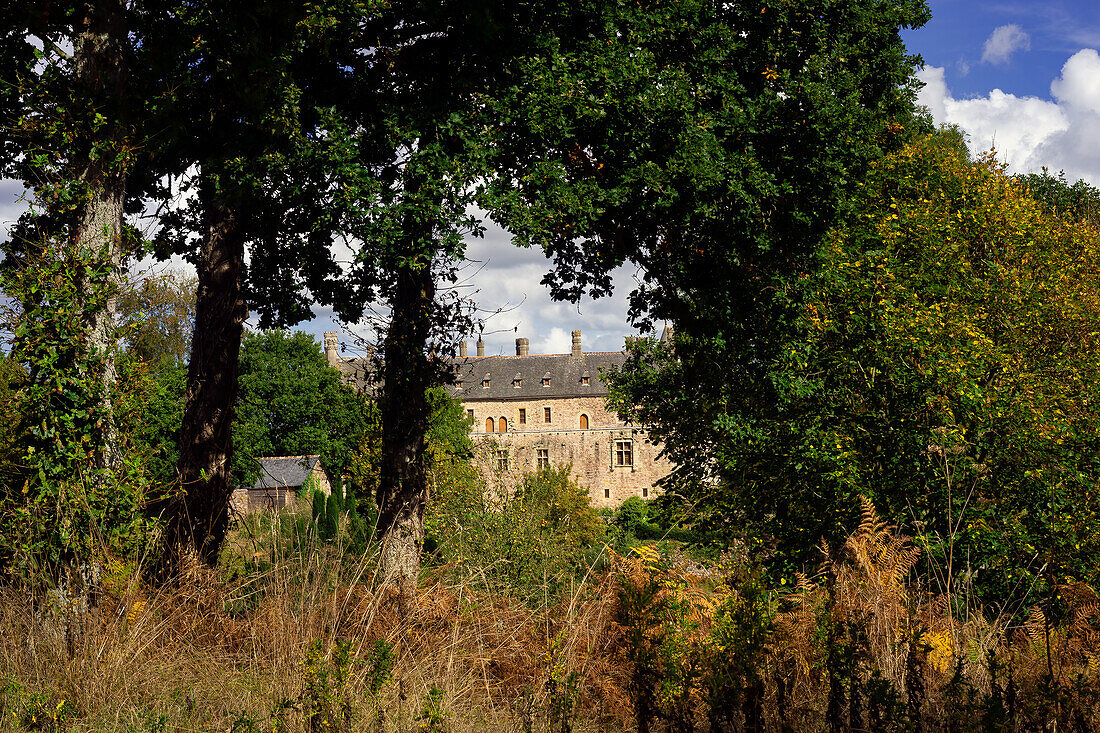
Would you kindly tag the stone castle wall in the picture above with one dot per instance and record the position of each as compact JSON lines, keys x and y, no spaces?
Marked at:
{"x":592,"y":451}
{"x":517,"y":390}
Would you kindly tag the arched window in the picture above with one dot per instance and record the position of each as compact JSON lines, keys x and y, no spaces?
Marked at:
{"x":502,"y":425}
{"x":584,"y":422}
{"x":489,"y":426}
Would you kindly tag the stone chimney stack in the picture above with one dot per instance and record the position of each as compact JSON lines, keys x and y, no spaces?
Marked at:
{"x":480,"y":347}
{"x":523,"y":347}
{"x":462,"y":349}
{"x":330,"y":348}
{"x":577,"y":343}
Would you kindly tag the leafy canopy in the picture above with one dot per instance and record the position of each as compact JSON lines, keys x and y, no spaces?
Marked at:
{"x":942,"y":361}
{"x":291,"y":402}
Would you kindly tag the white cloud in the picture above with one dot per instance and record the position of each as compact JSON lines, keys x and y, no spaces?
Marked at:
{"x":557,"y":341}
{"x":1004,"y":41}
{"x":12,"y":205}
{"x":1027,"y":132}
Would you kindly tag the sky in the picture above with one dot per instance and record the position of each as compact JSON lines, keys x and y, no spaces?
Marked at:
{"x":1022,"y":79}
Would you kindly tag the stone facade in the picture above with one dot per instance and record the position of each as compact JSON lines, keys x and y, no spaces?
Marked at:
{"x":530,"y":411}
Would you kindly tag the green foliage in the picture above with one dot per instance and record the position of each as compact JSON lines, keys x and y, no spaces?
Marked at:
{"x":710,"y":144}
{"x":632,"y":516}
{"x":380,"y":662}
{"x":156,"y":317}
{"x":23,"y":709}
{"x":924,"y":363}
{"x":62,"y":505}
{"x":12,"y":376}
{"x":156,"y":430}
{"x":325,"y":700}
{"x":543,"y":529}
{"x":433,"y":716}
{"x":744,"y":625}
{"x":1077,"y":200}
{"x":292,"y":403}
{"x":448,"y":429}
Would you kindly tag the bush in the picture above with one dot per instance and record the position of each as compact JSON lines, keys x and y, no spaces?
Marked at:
{"x":544,"y":529}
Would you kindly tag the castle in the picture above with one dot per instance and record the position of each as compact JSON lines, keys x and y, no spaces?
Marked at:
{"x":532,"y":411}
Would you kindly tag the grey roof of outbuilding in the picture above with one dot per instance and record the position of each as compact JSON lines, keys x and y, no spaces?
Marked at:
{"x":281,"y":472}
{"x":566,"y":373}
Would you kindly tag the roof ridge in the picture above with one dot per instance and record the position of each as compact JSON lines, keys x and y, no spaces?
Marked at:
{"x":528,"y":356}
{"x":279,"y":458}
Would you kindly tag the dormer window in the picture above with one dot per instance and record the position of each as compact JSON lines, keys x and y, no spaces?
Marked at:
{"x":546,"y":379}
{"x":485,"y":382}
{"x":458,"y":384}
{"x":517,"y":381}
{"x":584,"y":379}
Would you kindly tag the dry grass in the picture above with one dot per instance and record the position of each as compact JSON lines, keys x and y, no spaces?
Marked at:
{"x":226,"y":649}
{"x":214,"y":652}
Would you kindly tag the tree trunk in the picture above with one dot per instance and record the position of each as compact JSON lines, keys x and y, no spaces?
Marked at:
{"x":101,"y":79}
{"x":403,"y":479}
{"x":197,"y":518}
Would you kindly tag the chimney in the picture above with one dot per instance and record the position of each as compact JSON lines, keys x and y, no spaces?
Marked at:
{"x":523,"y":347}
{"x":577,"y":343}
{"x":462,"y":349}
{"x":330,"y":348}
{"x":480,"y":347}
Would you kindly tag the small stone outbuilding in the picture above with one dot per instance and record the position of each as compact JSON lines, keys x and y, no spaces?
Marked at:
{"x":280,"y":481}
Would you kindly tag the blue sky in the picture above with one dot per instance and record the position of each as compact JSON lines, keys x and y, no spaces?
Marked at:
{"x":1020,"y":77}
{"x":956,"y":37}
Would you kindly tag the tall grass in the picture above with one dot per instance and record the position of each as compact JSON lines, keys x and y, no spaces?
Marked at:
{"x":296,"y":634}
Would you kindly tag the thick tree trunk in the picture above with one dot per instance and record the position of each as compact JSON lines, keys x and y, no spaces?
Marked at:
{"x":197,"y":518}
{"x":101,"y":79}
{"x":407,"y":374}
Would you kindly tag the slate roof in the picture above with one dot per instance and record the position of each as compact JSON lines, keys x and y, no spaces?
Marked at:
{"x":511,"y":377}
{"x":521,"y":377}
{"x":358,"y":372}
{"x":288,"y":472}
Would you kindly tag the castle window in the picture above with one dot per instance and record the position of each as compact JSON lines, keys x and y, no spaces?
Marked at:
{"x":490,"y":426}
{"x":543,"y":458}
{"x":502,"y":425}
{"x":584,"y":422}
{"x":522,"y":416}
{"x":546,"y":414}
{"x":645,"y":493}
{"x":502,"y":460}
{"x":607,"y":493}
{"x":624,"y":453}
{"x":470,"y":414}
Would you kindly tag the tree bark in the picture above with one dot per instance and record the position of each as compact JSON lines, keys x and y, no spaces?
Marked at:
{"x":407,"y":374}
{"x":101,"y":77}
{"x":196,"y":518}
